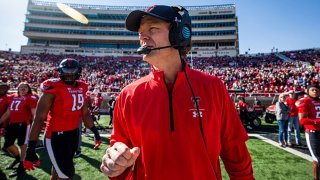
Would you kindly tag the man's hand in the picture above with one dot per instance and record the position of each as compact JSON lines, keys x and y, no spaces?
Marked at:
{"x":97,"y":144}
{"x":31,"y":159}
{"x":118,"y":158}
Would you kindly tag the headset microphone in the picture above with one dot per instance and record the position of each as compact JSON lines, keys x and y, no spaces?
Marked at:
{"x":147,"y":50}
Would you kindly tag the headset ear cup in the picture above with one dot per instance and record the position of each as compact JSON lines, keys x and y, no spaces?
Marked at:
{"x":180,"y":32}
{"x":173,"y":35}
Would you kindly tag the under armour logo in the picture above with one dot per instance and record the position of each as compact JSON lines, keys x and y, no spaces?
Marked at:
{"x":195,"y":114}
{"x":59,"y":133}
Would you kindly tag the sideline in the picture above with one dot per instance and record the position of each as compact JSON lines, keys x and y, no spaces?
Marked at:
{"x":105,"y":135}
{"x":288,"y":149}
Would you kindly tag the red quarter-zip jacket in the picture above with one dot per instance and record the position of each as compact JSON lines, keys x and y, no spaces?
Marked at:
{"x":164,"y":124}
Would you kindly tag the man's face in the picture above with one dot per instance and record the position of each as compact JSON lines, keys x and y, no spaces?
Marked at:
{"x":154,"y":33}
{"x":314,"y":92}
{"x":69,"y":75}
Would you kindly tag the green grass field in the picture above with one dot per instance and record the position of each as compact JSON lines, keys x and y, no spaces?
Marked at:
{"x":269,"y":162}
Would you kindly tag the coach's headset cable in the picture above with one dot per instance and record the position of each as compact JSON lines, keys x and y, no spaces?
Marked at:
{"x":183,"y":63}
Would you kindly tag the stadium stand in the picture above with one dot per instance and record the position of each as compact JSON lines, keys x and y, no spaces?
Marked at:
{"x":215,"y":30}
{"x":260,"y":75}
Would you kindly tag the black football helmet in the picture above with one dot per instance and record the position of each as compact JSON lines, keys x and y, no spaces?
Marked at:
{"x":69,"y":70}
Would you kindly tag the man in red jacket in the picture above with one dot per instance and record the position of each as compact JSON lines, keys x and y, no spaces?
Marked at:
{"x":176,"y":122}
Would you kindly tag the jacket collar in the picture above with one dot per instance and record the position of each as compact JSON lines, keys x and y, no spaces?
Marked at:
{"x":158,"y":75}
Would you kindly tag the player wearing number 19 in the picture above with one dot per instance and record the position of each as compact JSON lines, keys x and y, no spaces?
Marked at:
{"x":63,"y":103}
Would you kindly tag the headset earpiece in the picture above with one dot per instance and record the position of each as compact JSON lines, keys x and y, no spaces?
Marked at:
{"x":180,"y":30}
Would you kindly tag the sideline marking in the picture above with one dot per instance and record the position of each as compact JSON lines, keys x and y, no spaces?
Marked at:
{"x":288,"y":149}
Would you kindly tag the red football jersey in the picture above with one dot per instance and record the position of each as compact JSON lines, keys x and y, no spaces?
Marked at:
{"x":66,"y":109}
{"x":310,"y":107}
{"x":97,"y":101}
{"x":20,"y":108}
{"x":4,"y":103}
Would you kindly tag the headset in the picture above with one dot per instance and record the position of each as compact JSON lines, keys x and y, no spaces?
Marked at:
{"x":180,"y":38}
{"x":180,"y":30}
{"x":179,"y":33}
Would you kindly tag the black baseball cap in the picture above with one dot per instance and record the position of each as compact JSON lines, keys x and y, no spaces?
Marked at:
{"x":166,"y":13}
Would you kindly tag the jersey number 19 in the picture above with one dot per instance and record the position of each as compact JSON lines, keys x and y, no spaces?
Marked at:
{"x":78,"y":101}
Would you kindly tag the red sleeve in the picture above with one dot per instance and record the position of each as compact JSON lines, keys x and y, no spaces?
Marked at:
{"x":234,"y":152}
{"x":87,"y":94}
{"x":302,"y":106}
{"x":48,"y":87}
{"x":87,"y":99}
{"x":237,"y":162}
{"x":119,"y":128}
{"x":307,"y":121}
{"x":119,"y":131}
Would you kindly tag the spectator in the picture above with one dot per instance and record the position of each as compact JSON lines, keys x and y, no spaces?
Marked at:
{"x":256,"y":102}
{"x":282,"y":114}
{"x":293,"y":119}
{"x":243,"y":108}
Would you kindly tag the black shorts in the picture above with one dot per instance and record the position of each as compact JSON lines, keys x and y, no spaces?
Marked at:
{"x":313,"y":142}
{"x":16,"y":131}
{"x":61,"y":148}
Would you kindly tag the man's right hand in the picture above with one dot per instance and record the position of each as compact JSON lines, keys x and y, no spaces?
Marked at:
{"x":118,"y":158}
{"x":31,"y":159}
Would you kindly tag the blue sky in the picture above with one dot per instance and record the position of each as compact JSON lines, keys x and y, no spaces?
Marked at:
{"x":263,"y":24}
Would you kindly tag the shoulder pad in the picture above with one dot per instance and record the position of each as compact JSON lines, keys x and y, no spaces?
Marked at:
{"x":48,"y":84}
{"x":33,"y":96}
{"x":300,"y":103}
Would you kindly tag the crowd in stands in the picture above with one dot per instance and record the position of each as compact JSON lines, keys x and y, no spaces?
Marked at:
{"x":254,"y":74}
{"x":309,"y":55}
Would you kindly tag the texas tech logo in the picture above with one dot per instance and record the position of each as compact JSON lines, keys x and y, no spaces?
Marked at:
{"x":195,"y":113}
{"x":195,"y":100}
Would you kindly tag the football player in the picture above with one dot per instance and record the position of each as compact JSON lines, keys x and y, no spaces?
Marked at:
{"x":21,"y":109}
{"x":309,"y":116}
{"x":62,"y":104}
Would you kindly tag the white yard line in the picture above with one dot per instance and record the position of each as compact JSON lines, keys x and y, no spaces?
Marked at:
{"x":276,"y":144}
{"x":288,"y":149}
